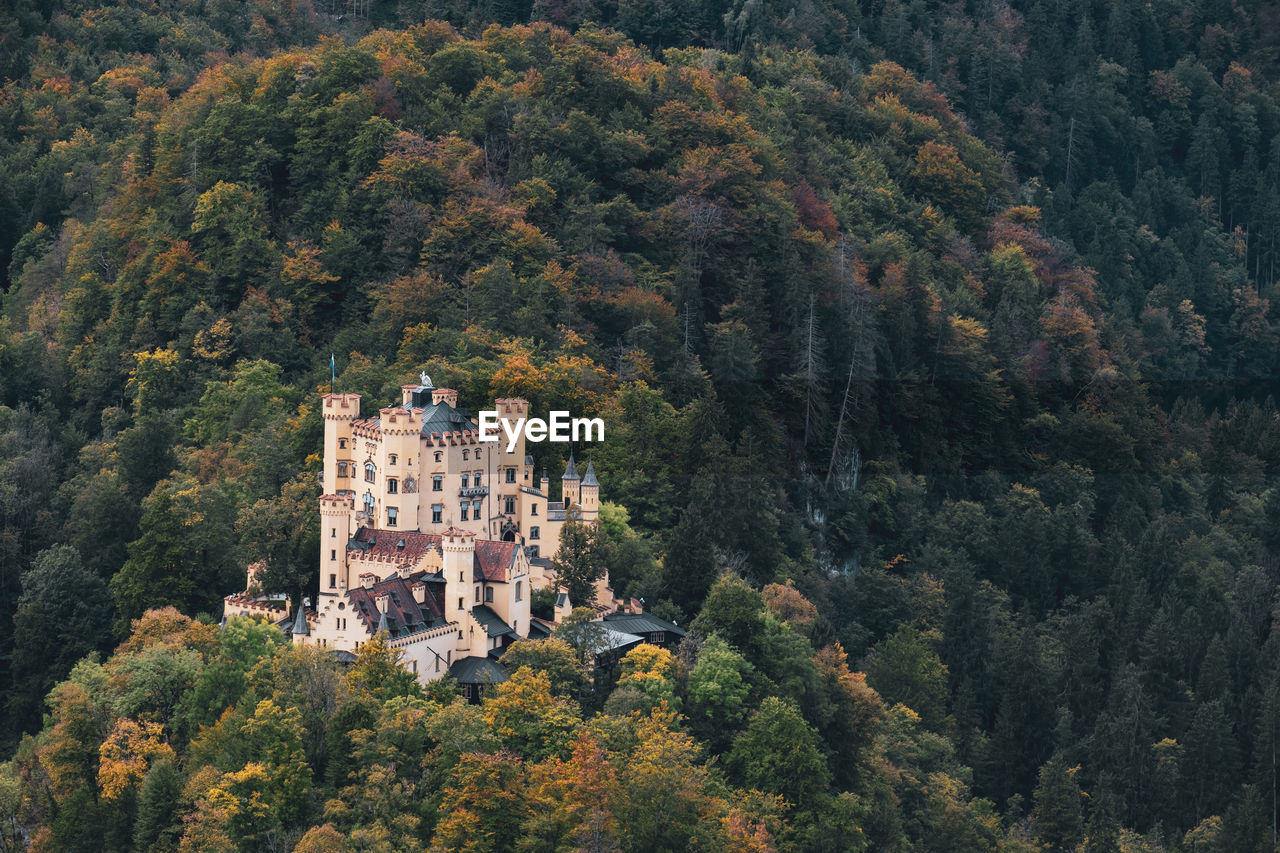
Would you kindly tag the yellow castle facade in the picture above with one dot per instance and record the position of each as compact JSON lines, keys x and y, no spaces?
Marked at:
{"x":433,"y":537}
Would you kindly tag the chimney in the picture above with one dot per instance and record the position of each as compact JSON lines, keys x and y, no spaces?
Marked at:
{"x":383,"y":601}
{"x":420,"y":592}
{"x":367,"y":579}
{"x":445,"y":395}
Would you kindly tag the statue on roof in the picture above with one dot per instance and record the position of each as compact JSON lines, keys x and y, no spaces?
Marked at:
{"x":426,"y":380}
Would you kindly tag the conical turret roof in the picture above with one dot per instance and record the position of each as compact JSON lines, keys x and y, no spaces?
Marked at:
{"x":300,"y":626}
{"x":590,"y":478}
{"x":571,"y":471}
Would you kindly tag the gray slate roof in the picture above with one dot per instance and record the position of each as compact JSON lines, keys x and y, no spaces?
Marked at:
{"x":477,"y":671}
{"x":643,"y":623}
{"x":492,"y":622}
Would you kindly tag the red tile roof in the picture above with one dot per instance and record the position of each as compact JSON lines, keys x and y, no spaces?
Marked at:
{"x":493,"y":559}
{"x":385,"y":545}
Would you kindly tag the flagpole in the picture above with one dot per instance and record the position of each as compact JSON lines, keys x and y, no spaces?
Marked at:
{"x":333,"y":373}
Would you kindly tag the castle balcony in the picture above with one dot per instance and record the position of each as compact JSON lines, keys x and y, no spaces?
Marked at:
{"x":473,"y":492}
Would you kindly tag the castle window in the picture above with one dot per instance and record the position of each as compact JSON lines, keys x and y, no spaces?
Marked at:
{"x":466,"y":479}
{"x":466,"y":454}
{"x":477,"y":480}
{"x":333,"y":533}
{"x":437,"y":663}
{"x":368,"y":502}
{"x":333,"y":581}
{"x":437,"y":483}
{"x":533,"y":533}
{"x":391,"y":460}
{"x":438,"y":455}
{"x":533,"y":509}
{"x":333,"y":553}
{"x":488,"y":594}
{"x":370,"y":473}
{"x":475,"y":508}
{"x":477,"y":595}
{"x":392,"y":514}
{"x":510,"y":506}
{"x":342,"y":469}
{"x":392,"y":486}
{"x":532,"y":551}
{"x":462,"y":516}
{"x":342,"y":444}
{"x":519,"y":590}
{"x":437,"y":512}
{"x":460,"y":602}
{"x":511,"y":475}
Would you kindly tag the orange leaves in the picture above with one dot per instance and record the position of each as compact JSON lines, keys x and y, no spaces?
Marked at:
{"x":419,"y":169}
{"x":126,"y":755}
{"x":893,"y":80}
{"x":940,"y":174}
{"x":570,"y":381}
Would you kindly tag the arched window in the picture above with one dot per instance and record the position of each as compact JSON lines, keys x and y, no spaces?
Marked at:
{"x":368,"y":502}
{"x":439,"y":454}
{"x":342,"y":469}
{"x":466,"y":454}
{"x":370,"y":473}
{"x":519,"y":590}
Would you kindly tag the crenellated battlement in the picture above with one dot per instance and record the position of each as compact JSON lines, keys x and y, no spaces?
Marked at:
{"x":341,"y":407}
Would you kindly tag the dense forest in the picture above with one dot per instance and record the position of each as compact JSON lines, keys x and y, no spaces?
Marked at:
{"x":935,"y":345}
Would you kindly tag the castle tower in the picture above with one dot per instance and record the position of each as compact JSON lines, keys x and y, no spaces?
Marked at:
{"x":569,"y":483}
{"x":397,"y":462}
{"x":335,"y":530}
{"x":590,"y":495}
{"x":458,"y":547}
{"x":339,"y":410}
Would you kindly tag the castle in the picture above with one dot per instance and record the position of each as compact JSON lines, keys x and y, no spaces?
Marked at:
{"x":433,"y":537}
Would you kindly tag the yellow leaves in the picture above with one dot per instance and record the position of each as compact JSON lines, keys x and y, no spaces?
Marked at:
{"x":44,"y":124}
{"x":127,"y":754}
{"x":81,"y":139}
{"x":214,"y":343}
{"x":154,"y":374}
{"x":301,"y":264}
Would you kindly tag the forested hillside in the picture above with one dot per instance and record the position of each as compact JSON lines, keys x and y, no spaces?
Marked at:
{"x":935,"y":347}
